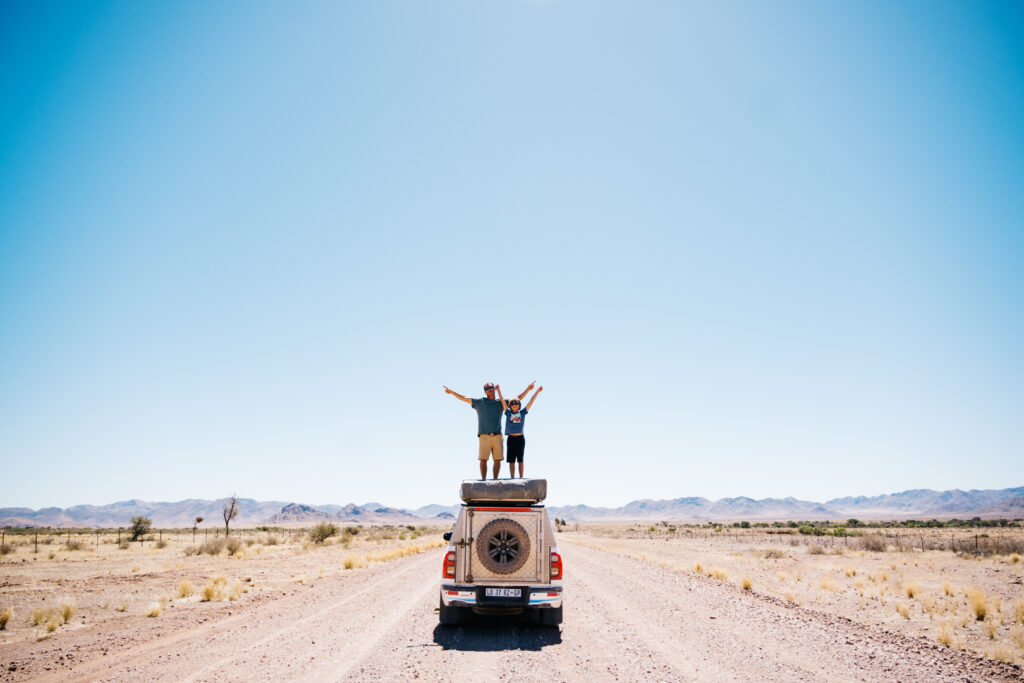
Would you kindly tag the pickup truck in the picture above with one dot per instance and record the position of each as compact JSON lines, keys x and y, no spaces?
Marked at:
{"x":501,"y":556}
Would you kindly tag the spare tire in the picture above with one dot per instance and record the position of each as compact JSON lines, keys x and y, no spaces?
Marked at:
{"x":503,"y":546}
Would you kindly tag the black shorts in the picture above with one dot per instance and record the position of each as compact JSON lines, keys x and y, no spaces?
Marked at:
{"x":515,"y":444}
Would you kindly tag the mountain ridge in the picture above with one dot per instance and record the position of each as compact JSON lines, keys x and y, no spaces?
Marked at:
{"x":1007,"y":502}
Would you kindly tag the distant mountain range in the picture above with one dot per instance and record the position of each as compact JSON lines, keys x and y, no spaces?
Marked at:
{"x":919,"y":503}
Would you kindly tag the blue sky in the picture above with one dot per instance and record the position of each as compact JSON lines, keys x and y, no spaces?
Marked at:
{"x":760,"y":249}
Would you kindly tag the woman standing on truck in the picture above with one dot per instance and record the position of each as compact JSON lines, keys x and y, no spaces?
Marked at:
{"x":515,"y":441}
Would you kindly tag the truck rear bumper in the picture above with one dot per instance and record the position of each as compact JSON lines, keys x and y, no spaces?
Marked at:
{"x":533,"y":597}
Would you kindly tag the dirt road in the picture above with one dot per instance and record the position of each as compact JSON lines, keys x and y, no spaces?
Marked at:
{"x":624,"y":620}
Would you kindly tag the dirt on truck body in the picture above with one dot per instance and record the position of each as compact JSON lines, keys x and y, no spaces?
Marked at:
{"x":501,"y":556}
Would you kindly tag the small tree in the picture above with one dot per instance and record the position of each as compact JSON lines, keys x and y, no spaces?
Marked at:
{"x":140,"y":527}
{"x":199,"y":520}
{"x":230,"y":512}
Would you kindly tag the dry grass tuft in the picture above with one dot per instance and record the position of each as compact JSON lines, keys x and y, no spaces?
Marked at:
{"x":946,"y":634}
{"x":746,"y":583}
{"x":991,"y":628}
{"x":698,"y":568}
{"x":718,"y":573}
{"x":827,"y":583}
{"x":850,"y":571}
{"x":774,"y":554}
{"x":355,"y":562}
{"x":912,"y":589}
{"x":185,"y":589}
{"x":5,"y":616}
{"x":815,"y":550}
{"x":903,"y":609}
{"x":153,"y":610}
{"x":947,"y":589}
{"x":236,"y":591}
{"x":788,"y":597}
{"x":1018,"y":611}
{"x":214,"y":590}
{"x":979,"y":603}
{"x":67,"y":610}
{"x":1000,"y":651}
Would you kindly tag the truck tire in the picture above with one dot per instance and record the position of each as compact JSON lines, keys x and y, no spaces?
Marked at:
{"x":451,"y":616}
{"x":503,"y":546}
{"x":551,"y":617}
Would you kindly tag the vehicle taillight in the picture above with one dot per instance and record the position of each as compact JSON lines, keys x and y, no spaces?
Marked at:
{"x":556,"y":566}
{"x":448,"y":571}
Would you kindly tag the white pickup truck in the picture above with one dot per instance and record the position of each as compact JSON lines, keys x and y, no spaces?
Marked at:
{"x":501,"y":556}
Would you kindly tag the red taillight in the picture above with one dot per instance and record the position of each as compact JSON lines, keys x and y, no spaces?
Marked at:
{"x":449,"y":565}
{"x":556,"y":566}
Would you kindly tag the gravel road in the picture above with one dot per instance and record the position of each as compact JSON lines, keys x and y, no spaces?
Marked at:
{"x":624,"y":620}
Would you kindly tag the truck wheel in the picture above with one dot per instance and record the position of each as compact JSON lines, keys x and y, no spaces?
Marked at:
{"x":551,"y":617}
{"x":450,"y":616}
{"x":503,"y":546}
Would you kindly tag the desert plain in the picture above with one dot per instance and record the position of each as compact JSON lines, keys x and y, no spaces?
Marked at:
{"x":653,"y":601}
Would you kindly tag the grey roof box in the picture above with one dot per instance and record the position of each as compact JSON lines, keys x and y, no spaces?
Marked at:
{"x":511,"y":490}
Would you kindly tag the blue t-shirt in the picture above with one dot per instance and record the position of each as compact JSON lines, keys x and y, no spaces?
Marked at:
{"x":514,"y":421}
{"x":488,"y":415}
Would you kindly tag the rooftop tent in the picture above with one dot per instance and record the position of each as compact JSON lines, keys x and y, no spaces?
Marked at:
{"x":508,"y":490}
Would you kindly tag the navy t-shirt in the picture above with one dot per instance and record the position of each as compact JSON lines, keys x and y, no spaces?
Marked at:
{"x":514,"y":421}
{"x":488,"y":415}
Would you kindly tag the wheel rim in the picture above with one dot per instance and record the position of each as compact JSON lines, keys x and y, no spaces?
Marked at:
{"x":503,"y":548}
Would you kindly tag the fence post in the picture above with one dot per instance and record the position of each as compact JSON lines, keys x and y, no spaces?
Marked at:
{"x":37,"y":543}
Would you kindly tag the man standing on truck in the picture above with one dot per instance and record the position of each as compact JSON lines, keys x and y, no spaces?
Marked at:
{"x":488,"y":415}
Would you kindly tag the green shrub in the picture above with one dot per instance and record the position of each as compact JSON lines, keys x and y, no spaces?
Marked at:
{"x":322,"y":531}
{"x":140,"y":527}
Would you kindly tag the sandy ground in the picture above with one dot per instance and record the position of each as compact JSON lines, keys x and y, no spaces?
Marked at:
{"x":626,"y":618}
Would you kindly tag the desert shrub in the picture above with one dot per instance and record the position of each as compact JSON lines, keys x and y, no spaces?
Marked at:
{"x":815,"y":550}
{"x":74,"y":544}
{"x":153,"y":610}
{"x":140,"y":527}
{"x":322,"y":531}
{"x":945,"y":636}
{"x":185,"y":588}
{"x":1018,"y":612}
{"x":232,"y":544}
{"x":809,"y":530}
{"x":875,"y":543}
{"x":698,"y":568}
{"x":903,"y":610}
{"x":212,"y":547}
{"x":352,"y":530}
{"x":191,"y":550}
{"x":912,"y":589}
{"x":718,"y":573}
{"x":6,"y":549}
{"x":67,"y":610}
{"x":39,"y":615}
{"x":5,"y":616}
{"x":746,"y":583}
{"x":355,"y":562}
{"x":271,"y":540}
{"x":774,"y":554}
{"x":123,"y":545}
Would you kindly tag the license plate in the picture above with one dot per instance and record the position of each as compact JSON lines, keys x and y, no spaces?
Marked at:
{"x":503,"y":592}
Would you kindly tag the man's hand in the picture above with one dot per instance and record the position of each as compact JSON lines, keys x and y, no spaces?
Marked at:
{"x":447,"y":390}
{"x":497,"y":388}
{"x":531,"y":385}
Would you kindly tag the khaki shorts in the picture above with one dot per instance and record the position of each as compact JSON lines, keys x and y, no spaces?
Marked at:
{"x":490,"y":445}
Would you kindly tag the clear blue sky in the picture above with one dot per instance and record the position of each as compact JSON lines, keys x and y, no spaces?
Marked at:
{"x":760,"y":249}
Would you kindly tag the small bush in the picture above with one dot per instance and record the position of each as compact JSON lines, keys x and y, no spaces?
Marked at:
{"x":39,"y":615}
{"x":850,"y":571}
{"x":903,"y":610}
{"x":185,"y":589}
{"x":875,"y":543}
{"x":213,"y":547}
{"x":191,"y":550}
{"x":322,"y":531}
{"x":1018,"y":611}
{"x":991,"y":626}
{"x":746,"y":583}
{"x":912,"y":589}
{"x":946,"y":588}
{"x":123,"y":545}
{"x":718,"y":573}
{"x":352,"y":530}
{"x":698,"y":568}
{"x":140,"y":527}
{"x":945,"y":636}
{"x":271,"y":540}
{"x":774,"y":554}
{"x":161,"y":544}
{"x":6,"y":549}
{"x":5,"y":616}
{"x":73,"y":544}
{"x":153,"y":610}
{"x":232,"y":545}
{"x":815,"y":550}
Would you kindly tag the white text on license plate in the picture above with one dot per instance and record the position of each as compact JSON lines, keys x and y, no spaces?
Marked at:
{"x":503,"y":592}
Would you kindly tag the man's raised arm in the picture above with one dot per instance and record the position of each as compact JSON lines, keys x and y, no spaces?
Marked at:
{"x":527,"y":390}
{"x":457,"y":395}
